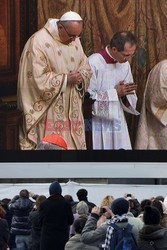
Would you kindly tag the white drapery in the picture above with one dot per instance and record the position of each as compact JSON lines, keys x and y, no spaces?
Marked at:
{"x":96,"y":192}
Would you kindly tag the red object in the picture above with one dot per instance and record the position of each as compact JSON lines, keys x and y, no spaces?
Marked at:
{"x":107,"y":58}
{"x":56,"y":140}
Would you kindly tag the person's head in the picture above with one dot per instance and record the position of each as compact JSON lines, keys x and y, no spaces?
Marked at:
{"x":123,"y":46}
{"x":4,"y":203}
{"x":79,"y":224}
{"x":24,"y":194}
{"x":145,"y":202}
{"x":82,"y":208}
{"x":70,"y":27}
{"x":82,"y":194}
{"x":158,"y":205}
{"x":160,"y":198}
{"x":39,"y":200}
{"x":55,"y":188}
{"x":107,"y":201}
{"x":2,"y":212}
{"x":151,"y":215}
{"x":120,"y":206}
{"x":131,"y":203}
{"x":68,"y":198}
{"x":52,"y":142}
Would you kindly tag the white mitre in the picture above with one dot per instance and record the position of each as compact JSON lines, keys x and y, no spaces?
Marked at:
{"x":70,"y":16}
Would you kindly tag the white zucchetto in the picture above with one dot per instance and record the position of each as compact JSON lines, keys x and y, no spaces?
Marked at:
{"x":70,"y":16}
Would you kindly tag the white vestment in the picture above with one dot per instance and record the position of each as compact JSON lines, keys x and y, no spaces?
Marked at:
{"x":108,"y":123}
{"x":152,"y":127}
{"x":49,"y":104}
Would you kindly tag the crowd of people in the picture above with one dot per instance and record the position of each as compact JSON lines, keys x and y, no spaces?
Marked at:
{"x":35,"y":222}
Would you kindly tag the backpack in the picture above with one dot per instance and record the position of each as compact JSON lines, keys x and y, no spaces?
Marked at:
{"x":122,"y":238}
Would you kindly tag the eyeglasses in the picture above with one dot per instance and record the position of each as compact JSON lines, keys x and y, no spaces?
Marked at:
{"x":71,"y":35}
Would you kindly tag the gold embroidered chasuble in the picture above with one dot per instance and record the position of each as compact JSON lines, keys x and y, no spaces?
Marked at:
{"x":49,"y":104}
{"x":152,"y":128}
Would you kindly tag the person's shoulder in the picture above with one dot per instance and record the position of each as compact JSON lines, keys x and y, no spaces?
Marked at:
{"x":135,"y":221}
{"x":91,"y":204}
{"x":125,"y":65}
{"x":39,"y":36}
{"x":30,"y":201}
{"x":25,"y":203}
{"x":96,"y":60}
{"x":163,"y":62}
{"x":162,"y":65}
{"x":74,"y":243}
{"x":95,"y":56}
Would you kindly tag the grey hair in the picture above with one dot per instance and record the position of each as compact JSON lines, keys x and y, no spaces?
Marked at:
{"x":82,"y":208}
{"x":47,"y":146}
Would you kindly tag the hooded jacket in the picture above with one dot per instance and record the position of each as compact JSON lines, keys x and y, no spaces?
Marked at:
{"x":56,"y":216}
{"x":152,"y":237}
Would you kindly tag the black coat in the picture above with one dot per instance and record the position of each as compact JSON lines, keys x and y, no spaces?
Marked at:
{"x":152,"y":237}
{"x":21,"y":209}
{"x":35,"y":230}
{"x":56,"y":217}
{"x":4,"y":233}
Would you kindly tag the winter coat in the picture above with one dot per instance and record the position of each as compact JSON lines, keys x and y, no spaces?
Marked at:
{"x":8,"y":217}
{"x":35,"y":230}
{"x":74,"y":243}
{"x":4,"y":234}
{"x":152,"y":237}
{"x":56,"y":217}
{"x":96,"y":236}
{"x":91,"y":234}
{"x":21,"y":208}
{"x":135,"y":222}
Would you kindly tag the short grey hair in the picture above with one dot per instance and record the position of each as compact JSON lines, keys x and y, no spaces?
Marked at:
{"x":82,"y":208}
{"x":47,"y":146}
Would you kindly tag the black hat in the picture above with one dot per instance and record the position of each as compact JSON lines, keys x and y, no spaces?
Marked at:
{"x":151,"y":215}
{"x":55,"y":188}
{"x":82,"y":193}
{"x":120,"y":206}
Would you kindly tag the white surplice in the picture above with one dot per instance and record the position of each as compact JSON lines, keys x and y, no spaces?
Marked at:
{"x":108,"y":122}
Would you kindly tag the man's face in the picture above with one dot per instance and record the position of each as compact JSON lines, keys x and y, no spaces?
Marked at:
{"x":126,"y":54}
{"x":68,"y":32}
